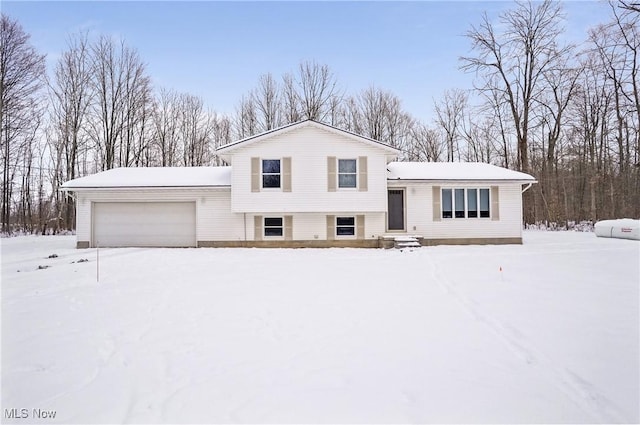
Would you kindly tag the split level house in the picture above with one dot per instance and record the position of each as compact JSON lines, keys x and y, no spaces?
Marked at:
{"x":302,"y":185}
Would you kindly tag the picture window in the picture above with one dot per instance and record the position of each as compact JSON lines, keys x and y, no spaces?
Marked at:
{"x":465,"y":203}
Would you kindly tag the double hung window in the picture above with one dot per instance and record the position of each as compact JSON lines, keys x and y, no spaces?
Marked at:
{"x":271,"y":173}
{"x":347,"y":173}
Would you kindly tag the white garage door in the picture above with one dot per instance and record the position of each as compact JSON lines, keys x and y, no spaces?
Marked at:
{"x":144,"y":224}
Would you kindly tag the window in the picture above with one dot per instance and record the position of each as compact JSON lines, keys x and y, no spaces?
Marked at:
{"x":476,"y":204}
{"x":484,"y":203}
{"x":270,"y":173}
{"x":472,"y":203}
{"x":459,"y":202}
{"x":273,"y":226}
{"x":347,"y":174}
{"x":447,"y":204}
{"x":345,"y":226}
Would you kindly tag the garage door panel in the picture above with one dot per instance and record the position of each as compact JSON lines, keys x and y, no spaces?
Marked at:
{"x":144,"y":224}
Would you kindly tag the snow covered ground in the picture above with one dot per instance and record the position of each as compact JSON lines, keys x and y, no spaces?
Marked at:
{"x":437,"y":334}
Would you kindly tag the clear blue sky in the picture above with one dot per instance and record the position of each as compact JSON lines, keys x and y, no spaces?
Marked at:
{"x":217,"y":50}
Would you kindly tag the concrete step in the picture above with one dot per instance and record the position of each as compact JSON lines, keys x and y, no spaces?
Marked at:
{"x":406,"y":242}
{"x":415,"y":244}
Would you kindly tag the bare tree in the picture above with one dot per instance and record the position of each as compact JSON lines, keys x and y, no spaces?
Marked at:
{"x":119,"y":82}
{"x":267,"y":101}
{"x":378,"y":114}
{"x":516,"y":60}
{"x":617,"y":45}
{"x":221,"y":134}
{"x":21,"y":78}
{"x":425,"y":144}
{"x":246,"y":118}
{"x":291,"y":107}
{"x":317,"y":88}
{"x":450,"y":112}
{"x":193,"y":129}
{"x":136,"y":109}
{"x":165,"y":127}
{"x":70,"y":97}
{"x":497,"y":111}
{"x":632,"y":6}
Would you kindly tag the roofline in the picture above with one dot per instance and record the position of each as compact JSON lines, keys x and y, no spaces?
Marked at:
{"x":232,"y":145}
{"x":192,"y":186}
{"x":522,"y":181}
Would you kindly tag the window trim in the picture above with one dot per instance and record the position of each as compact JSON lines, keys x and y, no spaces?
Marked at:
{"x":354,"y":226}
{"x":262,"y":174}
{"x":355,"y":174}
{"x":465,"y":202}
{"x":265,"y":227}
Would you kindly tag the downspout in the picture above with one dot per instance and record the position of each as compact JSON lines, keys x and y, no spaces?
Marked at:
{"x":523,"y":224}
{"x":244,"y":220}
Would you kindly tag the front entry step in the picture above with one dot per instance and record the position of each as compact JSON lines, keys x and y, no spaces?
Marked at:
{"x":406,"y":242}
{"x":402,"y":242}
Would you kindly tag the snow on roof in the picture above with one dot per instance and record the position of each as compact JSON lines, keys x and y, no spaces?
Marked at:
{"x":221,"y":176}
{"x":452,"y":171}
{"x":154,"y":177}
{"x":307,"y":122}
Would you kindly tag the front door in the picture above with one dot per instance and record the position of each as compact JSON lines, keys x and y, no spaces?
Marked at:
{"x":396,"y":209}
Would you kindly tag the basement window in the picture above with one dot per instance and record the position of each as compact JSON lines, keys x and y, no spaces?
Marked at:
{"x":273,"y":226}
{"x":345,"y":226}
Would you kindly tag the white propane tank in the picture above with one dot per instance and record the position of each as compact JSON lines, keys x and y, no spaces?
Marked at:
{"x":624,"y":228}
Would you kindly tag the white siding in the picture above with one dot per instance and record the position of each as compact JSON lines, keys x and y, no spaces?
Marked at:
{"x":214,"y":219}
{"x":308,"y":148}
{"x":313,"y":226}
{"x":419,"y":213}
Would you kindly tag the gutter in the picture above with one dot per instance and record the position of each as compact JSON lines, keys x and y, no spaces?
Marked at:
{"x":453,"y":181}
{"x":100,"y":188}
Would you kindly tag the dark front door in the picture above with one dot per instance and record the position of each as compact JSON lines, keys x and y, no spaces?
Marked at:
{"x":396,"y":209}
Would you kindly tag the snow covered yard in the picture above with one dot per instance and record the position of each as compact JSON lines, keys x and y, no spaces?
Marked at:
{"x":437,"y":334}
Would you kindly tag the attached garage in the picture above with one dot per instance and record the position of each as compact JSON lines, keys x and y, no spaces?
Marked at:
{"x":141,"y":224}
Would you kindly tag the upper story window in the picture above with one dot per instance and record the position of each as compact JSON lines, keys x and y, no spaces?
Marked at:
{"x":271,"y":173}
{"x":347,"y":173}
{"x":465,"y":203}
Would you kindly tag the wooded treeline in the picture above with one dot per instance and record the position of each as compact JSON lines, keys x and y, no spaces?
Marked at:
{"x":567,"y":114}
